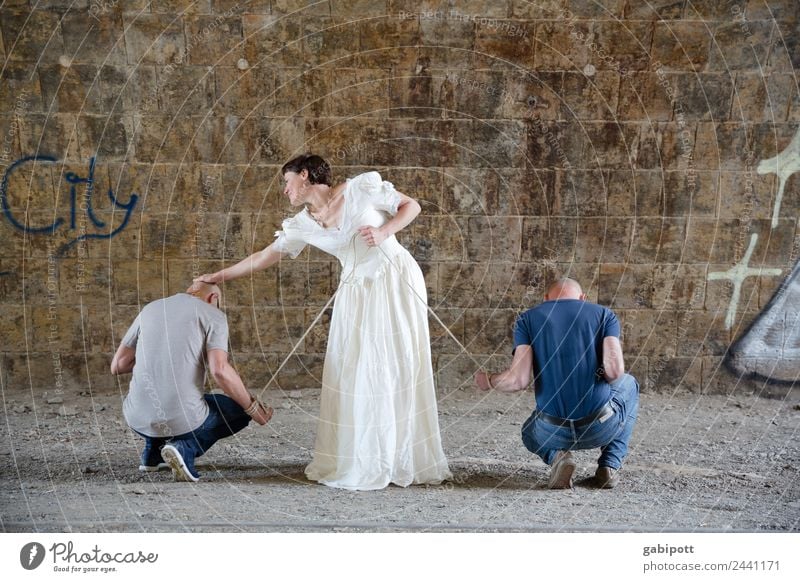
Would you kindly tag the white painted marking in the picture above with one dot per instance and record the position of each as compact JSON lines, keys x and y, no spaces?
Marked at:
{"x":771,"y":347}
{"x":784,"y":165}
{"x":737,"y":274}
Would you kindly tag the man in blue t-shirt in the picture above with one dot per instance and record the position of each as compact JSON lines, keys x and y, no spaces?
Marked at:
{"x":584,"y":398}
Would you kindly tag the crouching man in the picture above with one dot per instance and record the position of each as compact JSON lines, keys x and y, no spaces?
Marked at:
{"x":169,"y":347}
{"x":584,"y":398}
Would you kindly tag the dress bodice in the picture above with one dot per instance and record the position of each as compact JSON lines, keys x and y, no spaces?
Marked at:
{"x":368,"y":200}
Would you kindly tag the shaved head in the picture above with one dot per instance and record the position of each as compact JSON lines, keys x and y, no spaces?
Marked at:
{"x":564,"y":288}
{"x":206,"y":292}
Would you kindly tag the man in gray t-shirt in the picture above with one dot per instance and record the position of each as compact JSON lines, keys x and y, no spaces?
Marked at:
{"x":168,"y":348}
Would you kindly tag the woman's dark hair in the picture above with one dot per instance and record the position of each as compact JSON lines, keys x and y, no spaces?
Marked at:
{"x":319,"y":171}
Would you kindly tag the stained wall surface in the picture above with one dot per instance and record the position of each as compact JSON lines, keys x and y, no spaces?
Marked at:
{"x":647,"y":149}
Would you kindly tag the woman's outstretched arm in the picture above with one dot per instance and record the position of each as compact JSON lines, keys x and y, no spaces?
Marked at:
{"x":255,"y":262}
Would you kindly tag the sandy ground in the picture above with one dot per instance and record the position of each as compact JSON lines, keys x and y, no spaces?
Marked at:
{"x":696,"y":463}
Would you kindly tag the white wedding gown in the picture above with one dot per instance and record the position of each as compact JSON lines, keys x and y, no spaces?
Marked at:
{"x":378,"y":417}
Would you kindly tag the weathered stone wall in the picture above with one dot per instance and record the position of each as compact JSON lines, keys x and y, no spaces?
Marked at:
{"x":615,"y":141}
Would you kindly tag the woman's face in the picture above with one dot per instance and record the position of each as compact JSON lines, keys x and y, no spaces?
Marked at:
{"x":293,"y":187}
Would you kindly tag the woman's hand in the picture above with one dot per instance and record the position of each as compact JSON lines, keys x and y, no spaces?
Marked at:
{"x":372,"y":236}
{"x":212,"y":278}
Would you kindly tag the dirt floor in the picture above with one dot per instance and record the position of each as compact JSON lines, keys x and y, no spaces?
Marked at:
{"x":696,"y":463}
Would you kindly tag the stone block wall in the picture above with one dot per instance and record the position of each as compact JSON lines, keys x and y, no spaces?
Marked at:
{"x":623,"y":143}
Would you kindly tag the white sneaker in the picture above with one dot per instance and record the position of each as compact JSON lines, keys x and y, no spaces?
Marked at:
{"x":179,"y":469}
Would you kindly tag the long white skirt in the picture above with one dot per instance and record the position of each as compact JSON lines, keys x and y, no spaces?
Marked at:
{"x":378,"y":418}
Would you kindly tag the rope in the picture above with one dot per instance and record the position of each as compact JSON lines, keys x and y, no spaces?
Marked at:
{"x":432,"y":312}
{"x":344,"y":281}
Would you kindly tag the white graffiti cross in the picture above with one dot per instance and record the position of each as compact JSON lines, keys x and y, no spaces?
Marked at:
{"x":783,"y":165}
{"x":737,"y":274}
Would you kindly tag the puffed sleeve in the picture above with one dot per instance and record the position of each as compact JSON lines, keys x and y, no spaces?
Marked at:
{"x":380,"y":193}
{"x":291,"y":239}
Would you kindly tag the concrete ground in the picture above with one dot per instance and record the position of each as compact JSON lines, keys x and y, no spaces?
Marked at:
{"x":697,"y":463}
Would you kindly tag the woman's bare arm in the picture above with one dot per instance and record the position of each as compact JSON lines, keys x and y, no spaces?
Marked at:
{"x":255,"y":262}
{"x":407,"y":210}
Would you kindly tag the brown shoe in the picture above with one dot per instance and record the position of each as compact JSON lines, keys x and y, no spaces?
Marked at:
{"x":606,"y":477}
{"x":561,"y":472}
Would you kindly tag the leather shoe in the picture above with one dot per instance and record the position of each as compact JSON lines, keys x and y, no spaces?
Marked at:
{"x":561,"y":471}
{"x":606,"y":477}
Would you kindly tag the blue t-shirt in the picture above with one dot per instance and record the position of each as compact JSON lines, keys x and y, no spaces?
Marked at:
{"x":567,"y":340}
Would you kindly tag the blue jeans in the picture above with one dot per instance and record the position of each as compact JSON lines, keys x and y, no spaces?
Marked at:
{"x":225,"y":418}
{"x":612,"y":436}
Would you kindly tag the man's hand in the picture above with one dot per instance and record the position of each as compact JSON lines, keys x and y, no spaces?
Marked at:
{"x":482,"y":381}
{"x":371,"y":235}
{"x":263,"y":414}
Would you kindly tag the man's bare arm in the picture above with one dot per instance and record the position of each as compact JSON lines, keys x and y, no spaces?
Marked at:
{"x":613,"y":363}
{"x":123,"y":360}
{"x":516,"y":378}
{"x":226,"y":377}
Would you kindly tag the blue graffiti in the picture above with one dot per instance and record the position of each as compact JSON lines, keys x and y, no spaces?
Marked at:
{"x":74,"y":180}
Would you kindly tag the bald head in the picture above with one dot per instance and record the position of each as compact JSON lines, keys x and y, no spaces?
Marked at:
{"x":207,"y":292}
{"x":564,"y":288}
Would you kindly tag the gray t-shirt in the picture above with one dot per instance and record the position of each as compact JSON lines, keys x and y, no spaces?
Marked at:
{"x":171,"y":337}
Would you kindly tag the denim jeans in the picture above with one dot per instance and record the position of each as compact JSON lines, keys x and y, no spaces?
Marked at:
{"x":225,"y":418}
{"x":612,"y":436}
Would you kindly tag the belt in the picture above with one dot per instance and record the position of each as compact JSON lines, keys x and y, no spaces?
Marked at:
{"x":602,"y":415}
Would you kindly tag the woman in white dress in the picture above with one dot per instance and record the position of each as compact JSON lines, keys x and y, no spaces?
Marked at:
{"x":378,"y":416}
